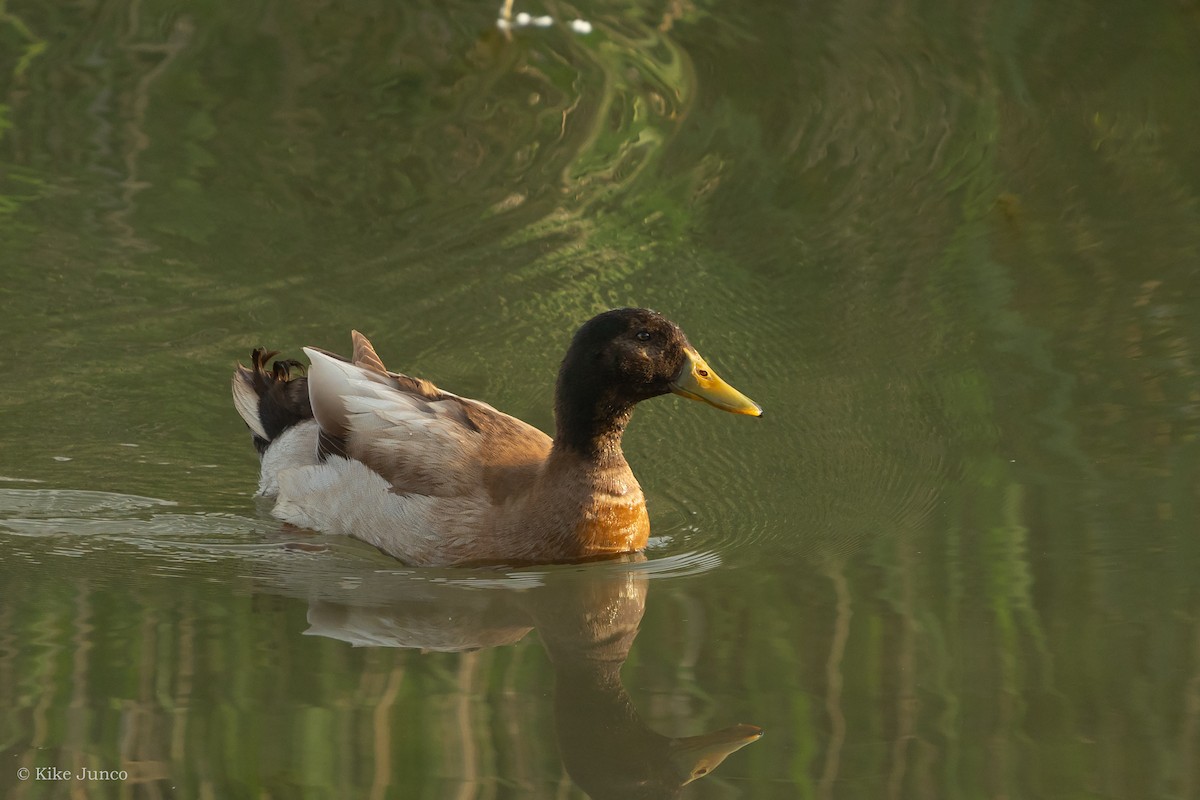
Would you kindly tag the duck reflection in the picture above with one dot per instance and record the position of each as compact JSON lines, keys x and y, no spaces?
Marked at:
{"x":588,"y":628}
{"x":587,"y":620}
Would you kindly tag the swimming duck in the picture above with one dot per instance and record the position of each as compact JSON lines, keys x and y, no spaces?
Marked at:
{"x":432,"y":478}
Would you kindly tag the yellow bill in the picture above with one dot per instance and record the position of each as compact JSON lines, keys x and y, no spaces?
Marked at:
{"x":696,"y":756}
{"x":697,"y":381}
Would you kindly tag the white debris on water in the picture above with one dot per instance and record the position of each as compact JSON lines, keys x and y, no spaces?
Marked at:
{"x":508,"y":21}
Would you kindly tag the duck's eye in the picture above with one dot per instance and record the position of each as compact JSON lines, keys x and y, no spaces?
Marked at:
{"x":643,"y":336}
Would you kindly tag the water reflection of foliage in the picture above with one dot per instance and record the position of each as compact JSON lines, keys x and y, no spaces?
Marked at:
{"x":370,"y":115}
{"x":24,"y":185}
{"x":421,"y":134}
{"x":968,"y":613}
{"x":178,"y":702}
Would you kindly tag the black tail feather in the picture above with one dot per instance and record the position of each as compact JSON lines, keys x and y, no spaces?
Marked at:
{"x":282,"y":393}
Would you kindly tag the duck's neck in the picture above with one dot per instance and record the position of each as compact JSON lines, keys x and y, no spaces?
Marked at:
{"x":589,"y":418}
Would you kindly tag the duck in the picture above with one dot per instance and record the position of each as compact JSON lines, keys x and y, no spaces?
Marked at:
{"x":348,"y":447}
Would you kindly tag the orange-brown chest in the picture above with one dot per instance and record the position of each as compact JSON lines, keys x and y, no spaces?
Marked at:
{"x":612,"y":525}
{"x":595,"y":510}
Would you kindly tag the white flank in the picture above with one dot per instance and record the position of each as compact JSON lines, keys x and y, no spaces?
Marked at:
{"x":295,"y":447}
{"x":345,"y":497}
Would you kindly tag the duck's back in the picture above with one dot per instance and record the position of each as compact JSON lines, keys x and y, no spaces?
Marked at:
{"x":425,"y":475}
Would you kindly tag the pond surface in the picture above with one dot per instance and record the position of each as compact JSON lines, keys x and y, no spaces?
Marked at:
{"x":953,"y":249}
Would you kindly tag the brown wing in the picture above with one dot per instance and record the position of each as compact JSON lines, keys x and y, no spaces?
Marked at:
{"x":421,"y":440}
{"x":366,"y":357}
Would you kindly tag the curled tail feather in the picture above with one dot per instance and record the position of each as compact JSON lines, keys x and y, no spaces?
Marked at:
{"x":270,"y":400}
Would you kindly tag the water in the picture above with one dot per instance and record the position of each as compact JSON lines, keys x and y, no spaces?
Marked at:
{"x":953,"y":250}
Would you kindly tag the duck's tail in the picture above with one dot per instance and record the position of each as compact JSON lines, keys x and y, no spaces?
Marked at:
{"x":270,"y":400}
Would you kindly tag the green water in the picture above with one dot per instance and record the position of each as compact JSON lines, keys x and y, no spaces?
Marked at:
{"x":953,"y":250}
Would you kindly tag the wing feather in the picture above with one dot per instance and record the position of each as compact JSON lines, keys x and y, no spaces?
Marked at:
{"x":364,"y":354}
{"x":423,"y":441}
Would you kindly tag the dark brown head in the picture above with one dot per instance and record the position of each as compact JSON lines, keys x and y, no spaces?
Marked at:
{"x":624,"y":356}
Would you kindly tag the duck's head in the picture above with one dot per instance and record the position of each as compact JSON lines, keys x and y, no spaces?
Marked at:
{"x":627,"y":355}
